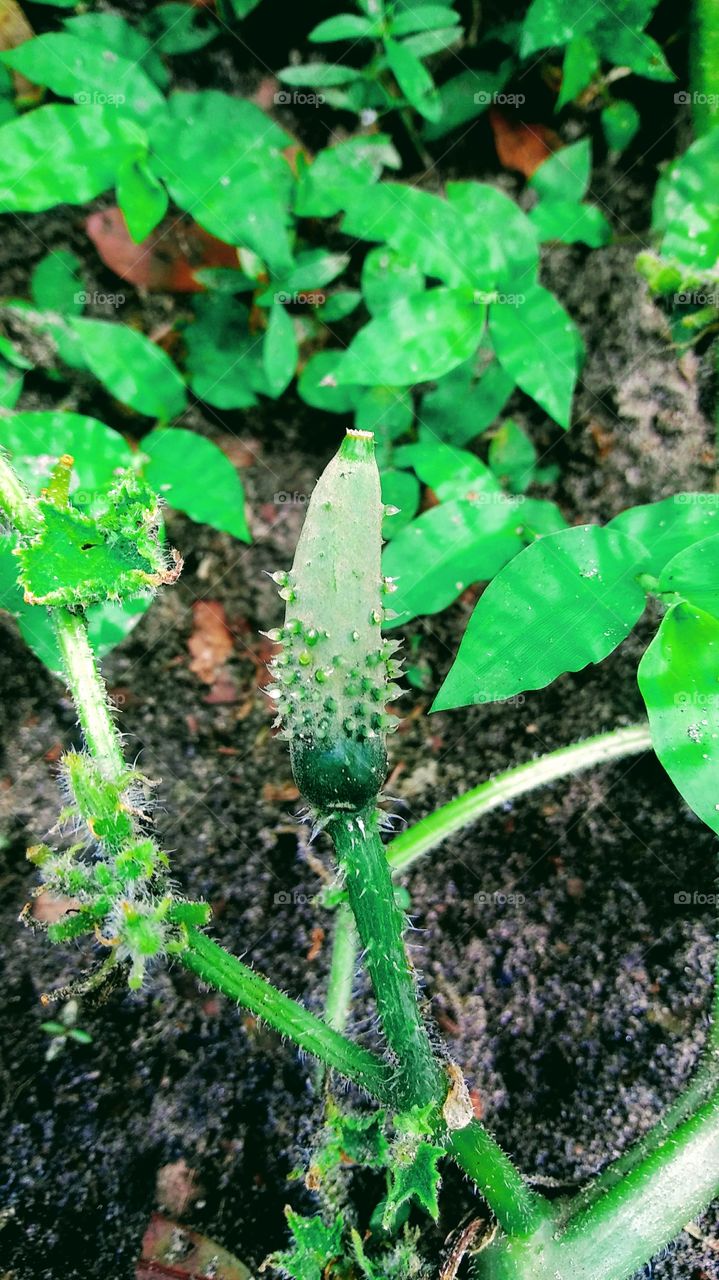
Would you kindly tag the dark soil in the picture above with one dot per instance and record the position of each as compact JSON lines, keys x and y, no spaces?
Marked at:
{"x":577,"y":1010}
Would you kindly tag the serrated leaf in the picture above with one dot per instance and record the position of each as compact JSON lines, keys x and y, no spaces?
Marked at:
{"x":132,"y":368}
{"x":679,"y":681}
{"x":566,"y":601}
{"x":196,"y":477}
{"x":419,"y":337}
{"x":438,"y":555}
{"x":686,"y":206}
{"x":667,"y":527}
{"x":416,"y":1178}
{"x":279,"y":350}
{"x":536,"y":343}
{"x":314,"y":1247}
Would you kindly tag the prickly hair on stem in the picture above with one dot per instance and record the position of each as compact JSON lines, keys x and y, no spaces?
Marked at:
{"x":333,"y":677}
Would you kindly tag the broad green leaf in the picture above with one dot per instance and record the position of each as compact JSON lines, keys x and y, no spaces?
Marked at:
{"x":400,"y":489}
{"x":581,"y":64}
{"x":438,"y":555}
{"x":550,"y":23}
{"x":449,"y":472}
{"x":83,"y":70}
{"x":463,"y":405}
{"x":55,"y":284}
{"x":221,"y":160}
{"x":422,"y":336}
{"x":311,"y":271}
{"x":423,"y":17}
{"x":570,"y":223}
{"x":279,"y":350}
{"x":506,"y":250}
{"x":694,"y":574}
{"x":512,"y":456}
{"x":339,"y":305}
{"x":142,"y":198}
{"x":196,"y":477}
{"x":465,"y":96}
{"x":425,"y":43}
{"x":414,"y":1177}
{"x":113,"y":32}
{"x":667,"y":527}
{"x":565,"y":601}
{"x":387,"y":411}
{"x":35,"y":441}
{"x":536,"y":343}
{"x":620,"y":122}
{"x":322,"y":74}
{"x":318,"y":385}
{"x":110,"y":622}
{"x":565,"y":174}
{"x":638,"y":51}
{"x":179,"y":28}
{"x":346,"y":26}
{"x":679,"y":681}
{"x":61,"y":154}
{"x":686,"y":206}
{"x":388,"y":276}
{"x":537,"y":516}
{"x":413,"y":79}
{"x":224,"y":360}
{"x":34,"y":624}
{"x":134,"y":370}
{"x":324,"y":184}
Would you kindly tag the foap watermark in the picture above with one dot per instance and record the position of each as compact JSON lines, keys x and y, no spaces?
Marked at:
{"x":514,"y":700}
{"x":684,"y":98}
{"x":494,"y":498}
{"x":693,"y":898}
{"x":693,"y":698}
{"x":313,"y":298}
{"x":298,"y":98}
{"x":696,"y":298}
{"x":283,"y":499}
{"x":497,"y":898}
{"x":697,"y":500}
{"x":483,"y":98}
{"x":492,"y":297}
{"x":96,"y":98}
{"x":96,"y":299}
{"x":296,"y":898}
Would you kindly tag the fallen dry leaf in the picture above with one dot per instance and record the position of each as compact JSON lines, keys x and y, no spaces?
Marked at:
{"x":210,"y":644}
{"x":279,"y":792}
{"x":522,"y":146}
{"x":171,"y":1252}
{"x":167,"y":260}
{"x":176,"y":1186}
{"x":48,"y":910}
{"x":14,"y":30}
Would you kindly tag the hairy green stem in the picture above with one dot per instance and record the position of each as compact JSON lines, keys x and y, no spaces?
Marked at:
{"x":426,"y":834}
{"x":380,"y":926}
{"x":88,"y":692}
{"x":518,"y":1208}
{"x":210,"y":962}
{"x":16,"y":502}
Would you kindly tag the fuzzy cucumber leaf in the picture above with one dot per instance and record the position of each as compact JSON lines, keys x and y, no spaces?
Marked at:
{"x":193,"y":475}
{"x":314,"y":1247}
{"x":414,"y":1177}
{"x":679,"y":681}
{"x":567,"y":600}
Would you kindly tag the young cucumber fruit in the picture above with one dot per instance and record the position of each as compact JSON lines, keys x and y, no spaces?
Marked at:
{"x":333,"y":676}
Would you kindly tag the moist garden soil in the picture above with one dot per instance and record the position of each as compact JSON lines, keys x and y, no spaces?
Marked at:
{"x":574,"y":992}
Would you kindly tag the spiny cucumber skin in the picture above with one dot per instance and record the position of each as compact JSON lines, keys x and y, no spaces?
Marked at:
{"x":333,"y":677}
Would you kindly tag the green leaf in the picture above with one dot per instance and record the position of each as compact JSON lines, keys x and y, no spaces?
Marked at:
{"x":694,"y":575}
{"x":318,"y":386}
{"x":311,"y":270}
{"x":436,"y":557}
{"x":549,"y":23}
{"x":400,"y":489}
{"x":637,"y":50}
{"x":196,"y":477}
{"x":466,"y":96}
{"x":221,"y":160}
{"x":61,"y":155}
{"x":570,"y":223}
{"x":314,"y":1247}
{"x":414,"y":1176}
{"x":55,"y":284}
{"x":565,"y":601}
{"x":142,"y":198}
{"x":339,"y":305}
{"x":421,"y":336}
{"x":512,"y":457}
{"x":179,"y":28}
{"x":224,"y":360}
{"x":667,"y":527}
{"x":679,"y":682}
{"x":686,"y":206}
{"x":413,"y":79}
{"x":581,"y":64}
{"x":505,"y":251}
{"x":620,"y":122}
{"x":423,"y":17}
{"x":388,"y":276}
{"x":279,"y":350}
{"x":346,"y":26}
{"x":11,"y":384}
{"x":113,"y":32}
{"x":335,"y":172}
{"x":323,"y":75}
{"x":462,"y":406}
{"x":565,"y":174}
{"x":134,"y":370}
{"x":536,"y":343}
{"x":80,"y":69}
{"x":450,"y":472}
{"x":35,"y":441}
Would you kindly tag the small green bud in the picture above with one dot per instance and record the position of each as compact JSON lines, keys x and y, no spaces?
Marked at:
{"x":332,"y":639}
